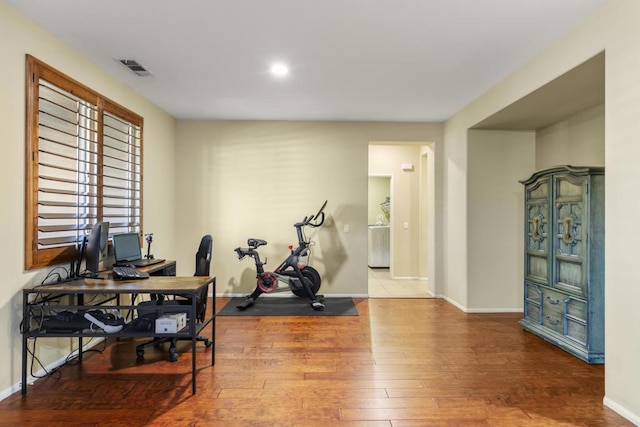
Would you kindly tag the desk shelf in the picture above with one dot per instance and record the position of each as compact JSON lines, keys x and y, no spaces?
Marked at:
{"x":188,"y":287}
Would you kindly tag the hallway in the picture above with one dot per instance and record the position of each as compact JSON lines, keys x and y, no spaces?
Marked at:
{"x":381,"y":286}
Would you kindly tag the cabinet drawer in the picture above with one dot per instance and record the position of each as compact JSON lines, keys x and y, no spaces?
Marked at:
{"x":553,"y":321}
{"x":553,"y":301}
{"x":564,"y":304}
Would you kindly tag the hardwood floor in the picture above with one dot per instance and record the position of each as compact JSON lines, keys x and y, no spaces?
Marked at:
{"x":401,"y":362}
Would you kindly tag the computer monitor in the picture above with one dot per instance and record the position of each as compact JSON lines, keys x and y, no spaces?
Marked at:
{"x":95,"y":248}
{"x":126,"y":247}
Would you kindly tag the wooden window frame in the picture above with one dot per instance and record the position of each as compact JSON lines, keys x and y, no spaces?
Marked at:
{"x":36,"y":255}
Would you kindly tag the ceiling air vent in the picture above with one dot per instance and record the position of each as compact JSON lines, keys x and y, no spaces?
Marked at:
{"x":135,"y":66}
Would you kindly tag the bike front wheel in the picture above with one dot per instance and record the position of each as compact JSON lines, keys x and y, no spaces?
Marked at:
{"x":314,"y":277}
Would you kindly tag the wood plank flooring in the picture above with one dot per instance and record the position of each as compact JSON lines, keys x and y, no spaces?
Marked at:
{"x":401,"y":362}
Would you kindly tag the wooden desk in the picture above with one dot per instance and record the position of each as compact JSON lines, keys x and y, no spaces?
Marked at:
{"x":188,"y":287}
{"x":165,"y":268}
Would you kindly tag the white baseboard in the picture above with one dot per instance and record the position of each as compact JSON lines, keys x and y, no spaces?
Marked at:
{"x":455,"y":304}
{"x":483,"y":310}
{"x":49,"y":368}
{"x":9,"y":391}
{"x":494,"y":310}
{"x":621,"y":410}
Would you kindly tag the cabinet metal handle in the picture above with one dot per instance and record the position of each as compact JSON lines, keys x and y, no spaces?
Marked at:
{"x":552,"y":321}
{"x":551,"y":301}
{"x":535,"y":233}
{"x":567,"y":230}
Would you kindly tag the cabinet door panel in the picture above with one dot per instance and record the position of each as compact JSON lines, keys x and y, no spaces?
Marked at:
{"x":538,"y":228}
{"x":570,"y":276}
{"x":570,"y":237}
{"x":537,"y":268}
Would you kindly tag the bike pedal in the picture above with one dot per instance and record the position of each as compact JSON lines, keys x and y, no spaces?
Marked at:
{"x":248,"y":303}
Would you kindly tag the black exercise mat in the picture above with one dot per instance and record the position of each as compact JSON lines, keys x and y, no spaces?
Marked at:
{"x":276,"y":306}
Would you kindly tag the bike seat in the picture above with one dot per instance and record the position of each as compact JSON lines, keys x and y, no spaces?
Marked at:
{"x":254,"y":243}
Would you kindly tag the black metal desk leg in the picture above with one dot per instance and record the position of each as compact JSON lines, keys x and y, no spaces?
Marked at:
{"x":192,"y":331}
{"x":26,"y":325}
{"x":80,"y":303}
{"x":213,"y":323}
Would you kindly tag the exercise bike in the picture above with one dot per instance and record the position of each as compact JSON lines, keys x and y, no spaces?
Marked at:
{"x":302,"y":280}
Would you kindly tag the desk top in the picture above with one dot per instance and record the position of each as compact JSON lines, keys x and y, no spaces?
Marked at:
{"x":157,"y":267}
{"x":154,"y":284}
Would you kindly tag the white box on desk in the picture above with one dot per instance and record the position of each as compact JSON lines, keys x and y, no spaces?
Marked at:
{"x":171,"y":323}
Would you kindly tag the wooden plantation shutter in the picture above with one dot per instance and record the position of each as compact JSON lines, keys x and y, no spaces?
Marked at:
{"x":122,"y":174}
{"x":84,"y":165}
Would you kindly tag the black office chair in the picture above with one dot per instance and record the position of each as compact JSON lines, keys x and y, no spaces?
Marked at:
{"x":203,"y":262}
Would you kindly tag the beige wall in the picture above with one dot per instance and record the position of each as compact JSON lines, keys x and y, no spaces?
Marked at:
{"x":497,"y":161}
{"x":256,"y":179}
{"x":17,"y":38}
{"x":577,"y":141}
{"x":614,"y":29}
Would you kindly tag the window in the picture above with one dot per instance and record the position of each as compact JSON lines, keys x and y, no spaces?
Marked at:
{"x":83,"y":165}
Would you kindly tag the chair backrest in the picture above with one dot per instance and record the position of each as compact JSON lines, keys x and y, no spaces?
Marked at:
{"x":203,"y":261}
{"x":203,"y":256}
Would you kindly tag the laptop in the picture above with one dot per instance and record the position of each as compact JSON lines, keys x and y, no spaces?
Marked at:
{"x":126,"y":250}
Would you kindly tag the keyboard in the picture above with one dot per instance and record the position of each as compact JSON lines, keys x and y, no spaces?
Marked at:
{"x":128,"y":273}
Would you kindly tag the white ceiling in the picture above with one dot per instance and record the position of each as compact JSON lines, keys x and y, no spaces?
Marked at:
{"x":352,"y":60}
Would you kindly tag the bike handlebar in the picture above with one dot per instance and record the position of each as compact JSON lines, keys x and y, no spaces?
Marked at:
{"x":300,"y":251}
{"x":241,"y":253}
{"x":307,"y":219}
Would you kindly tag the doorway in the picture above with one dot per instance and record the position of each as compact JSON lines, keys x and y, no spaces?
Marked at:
{"x":400,"y":175}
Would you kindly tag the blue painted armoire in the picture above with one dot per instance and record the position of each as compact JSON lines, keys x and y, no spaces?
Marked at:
{"x":564,"y":259}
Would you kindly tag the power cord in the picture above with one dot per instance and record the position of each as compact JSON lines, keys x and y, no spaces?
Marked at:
{"x":55,"y":274}
{"x":71,"y":360}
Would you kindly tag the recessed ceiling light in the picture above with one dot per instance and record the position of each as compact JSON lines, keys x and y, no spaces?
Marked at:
{"x":279,"y":70}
